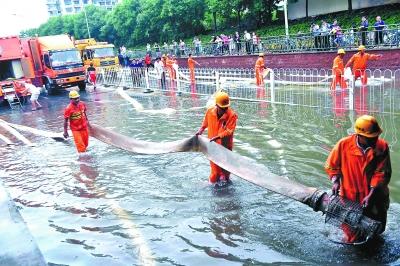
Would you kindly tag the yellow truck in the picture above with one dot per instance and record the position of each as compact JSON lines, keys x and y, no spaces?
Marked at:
{"x":101,"y":54}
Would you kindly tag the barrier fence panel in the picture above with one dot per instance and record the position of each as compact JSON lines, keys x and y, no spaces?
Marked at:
{"x":302,"y":87}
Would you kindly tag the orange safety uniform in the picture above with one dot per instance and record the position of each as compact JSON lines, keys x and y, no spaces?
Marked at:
{"x":191,"y":63}
{"x":259,"y":68}
{"x":360,"y":64}
{"x":338,"y":72}
{"x":78,"y":124}
{"x":359,"y":171}
{"x":223,"y":127}
{"x":169,"y":62}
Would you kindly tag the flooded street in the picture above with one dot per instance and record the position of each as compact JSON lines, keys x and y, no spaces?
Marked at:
{"x":112,"y":207}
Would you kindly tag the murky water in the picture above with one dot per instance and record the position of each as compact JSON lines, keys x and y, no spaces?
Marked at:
{"x":111,"y":207}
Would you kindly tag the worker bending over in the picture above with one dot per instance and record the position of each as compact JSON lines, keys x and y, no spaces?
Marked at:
{"x":360,"y":170}
{"x":359,"y":62}
{"x":220,"y":120}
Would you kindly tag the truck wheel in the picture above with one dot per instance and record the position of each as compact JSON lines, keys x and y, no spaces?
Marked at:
{"x":51,"y":89}
{"x":82,"y":86}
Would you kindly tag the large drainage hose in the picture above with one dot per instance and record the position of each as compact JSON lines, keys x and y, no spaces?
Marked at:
{"x":339,"y":210}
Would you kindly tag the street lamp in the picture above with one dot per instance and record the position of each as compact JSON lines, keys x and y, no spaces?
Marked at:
{"x":286,"y":18}
{"x":283,"y":3}
{"x":87,"y":23}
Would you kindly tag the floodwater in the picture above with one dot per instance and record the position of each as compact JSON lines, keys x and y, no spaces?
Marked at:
{"x":112,"y":207}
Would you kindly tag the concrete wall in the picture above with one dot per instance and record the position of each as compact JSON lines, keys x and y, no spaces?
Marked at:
{"x":297,"y":8}
{"x":390,"y":60}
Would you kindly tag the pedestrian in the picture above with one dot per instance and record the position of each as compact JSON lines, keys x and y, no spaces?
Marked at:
{"x":148,"y":49}
{"x":147,"y":61}
{"x":364,"y":29}
{"x":75,"y":113}
{"x":254,"y":42}
{"x":324,"y":31}
{"x":359,"y":62}
{"x":182,"y":47}
{"x":315,"y":31}
{"x":259,"y":69}
{"x":34,"y":92}
{"x":360,"y":170}
{"x":220,"y":120}
{"x":91,"y":75}
{"x":159,"y":67}
{"x":191,"y":64}
{"x":247,"y":39}
{"x":379,"y":26}
{"x":238,"y":42}
{"x":338,"y":71}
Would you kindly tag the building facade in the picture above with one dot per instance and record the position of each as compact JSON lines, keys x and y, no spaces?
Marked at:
{"x":66,"y":7}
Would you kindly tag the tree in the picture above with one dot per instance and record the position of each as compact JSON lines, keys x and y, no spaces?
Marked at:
{"x":350,"y":4}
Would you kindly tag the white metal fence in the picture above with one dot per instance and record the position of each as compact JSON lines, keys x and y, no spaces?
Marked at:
{"x":303,"y":87}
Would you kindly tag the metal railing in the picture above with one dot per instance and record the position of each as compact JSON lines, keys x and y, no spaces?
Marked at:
{"x":297,"y":87}
{"x":389,"y":37}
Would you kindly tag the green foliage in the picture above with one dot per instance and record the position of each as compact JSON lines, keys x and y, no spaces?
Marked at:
{"x":134,"y":23}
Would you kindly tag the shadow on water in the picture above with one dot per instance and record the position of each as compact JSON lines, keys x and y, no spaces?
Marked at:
{"x":65,"y":199}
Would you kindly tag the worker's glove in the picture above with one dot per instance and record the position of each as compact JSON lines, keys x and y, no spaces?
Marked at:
{"x":200,"y":131}
{"x":335,"y":185}
{"x":214,"y":138}
{"x":66,"y":134}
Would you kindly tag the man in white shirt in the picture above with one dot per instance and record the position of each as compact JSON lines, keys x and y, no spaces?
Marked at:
{"x":159,"y":67}
{"x":35,"y":92}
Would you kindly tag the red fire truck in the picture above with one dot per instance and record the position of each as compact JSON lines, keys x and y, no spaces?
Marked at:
{"x":57,"y":63}
{"x":15,"y":65}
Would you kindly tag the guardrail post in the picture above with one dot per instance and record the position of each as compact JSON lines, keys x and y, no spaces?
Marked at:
{"x":272,"y":85}
{"x":217,"y":81}
{"x":146,"y":75}
{"x":351,"y":93}
{"x":178,"y":85}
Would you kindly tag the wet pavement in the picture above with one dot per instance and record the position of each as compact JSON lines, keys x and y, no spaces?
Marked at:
{"x":112,"y":207}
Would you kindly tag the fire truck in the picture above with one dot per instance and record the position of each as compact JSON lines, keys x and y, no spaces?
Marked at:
{"x":57,"y":63}
{"x":15,"y":65}
{"x":101,"y":54}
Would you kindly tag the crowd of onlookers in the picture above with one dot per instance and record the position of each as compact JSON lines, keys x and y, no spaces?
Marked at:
{"x":322,"y":36}
{"x":326,"y":34}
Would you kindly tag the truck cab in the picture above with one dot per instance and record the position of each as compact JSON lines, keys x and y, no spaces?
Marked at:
{"x":101,"y":54}
{"x":56,"y":61}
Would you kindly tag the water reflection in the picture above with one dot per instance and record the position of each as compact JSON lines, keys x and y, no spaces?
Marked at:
{"x":241,"y":225}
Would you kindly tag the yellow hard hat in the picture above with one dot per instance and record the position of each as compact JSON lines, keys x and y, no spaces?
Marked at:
{"x":367,"y":126}
{"x":261,"y":54}
{"x":222,"y":99}
{"x":361,"y":47}
{"x":341,"y":51}
{"x":73,"y":94}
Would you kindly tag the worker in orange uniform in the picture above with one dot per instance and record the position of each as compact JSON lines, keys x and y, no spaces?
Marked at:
{"x":220,"y":120}
{"x":78,"y":122}
{"x":360,"y":170}
{"x":359,"y":62}
{"x":191,"y":64}
{"x":338,"y":71}
{"x":259,"y":69}
{"x":169,"y":65}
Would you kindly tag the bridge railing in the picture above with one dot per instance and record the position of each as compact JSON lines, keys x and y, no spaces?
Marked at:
{"x":302,"y":87}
